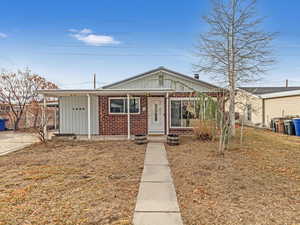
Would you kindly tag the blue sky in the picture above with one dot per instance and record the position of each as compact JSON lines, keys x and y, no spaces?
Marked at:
{"x":68,"y":41}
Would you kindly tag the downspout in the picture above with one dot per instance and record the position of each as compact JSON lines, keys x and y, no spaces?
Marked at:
{"x":128,"y":116}
{"x":58,"y":113}
{"x":167,"y":116}
{"x":89,"y":116}
{"x":263,"y":113}
{"x":44,"y":118}
{"x":55,"y":118}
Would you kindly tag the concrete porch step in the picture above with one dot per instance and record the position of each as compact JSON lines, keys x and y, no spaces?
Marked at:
{"x":157,"y":138}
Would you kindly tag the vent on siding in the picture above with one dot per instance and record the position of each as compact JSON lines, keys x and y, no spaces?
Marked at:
{"x":161,"y":80}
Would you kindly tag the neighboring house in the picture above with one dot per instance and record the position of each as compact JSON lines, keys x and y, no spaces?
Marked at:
{"x":154,"y":102}
{"x":31,"y":116}
{"x":258,"y":105}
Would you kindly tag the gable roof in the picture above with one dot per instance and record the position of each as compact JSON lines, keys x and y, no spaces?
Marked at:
{"x":161,"y":68}
{"x":268,"y":90}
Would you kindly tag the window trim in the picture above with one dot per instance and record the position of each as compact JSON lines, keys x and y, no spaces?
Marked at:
{"x":124,"y":113}
{"x":179,"y":99}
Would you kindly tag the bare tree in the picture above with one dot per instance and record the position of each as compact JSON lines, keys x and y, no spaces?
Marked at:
{"x":211,"y":119}
{"x":235,"y":50}
{"x":40,"y":128}
{"x":35,"y":110}
{"x":19,"y":89}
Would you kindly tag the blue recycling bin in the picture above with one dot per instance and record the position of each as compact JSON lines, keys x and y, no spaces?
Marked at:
{"x":2,"y":124}
{"x":297,"y":126}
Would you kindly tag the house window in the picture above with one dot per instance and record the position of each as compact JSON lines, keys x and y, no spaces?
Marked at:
{"x":249,"y":112}
{"x":119,"y":105}
{"x":182,"y":111}
{"x":134,"y":105}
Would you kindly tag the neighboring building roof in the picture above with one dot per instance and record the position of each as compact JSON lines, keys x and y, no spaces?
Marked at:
{"x":281,"y":94}
{"x":161,"y":68}
{"x":268,"y":90}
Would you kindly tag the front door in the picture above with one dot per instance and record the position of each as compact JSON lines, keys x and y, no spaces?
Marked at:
{"x":156,"y":115}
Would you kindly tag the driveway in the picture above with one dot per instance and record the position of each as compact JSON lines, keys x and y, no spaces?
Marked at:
{"x":12,"y":141}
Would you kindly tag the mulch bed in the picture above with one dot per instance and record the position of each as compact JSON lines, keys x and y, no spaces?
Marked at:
{"x":70,"y":183}
{"x":256,"y":184}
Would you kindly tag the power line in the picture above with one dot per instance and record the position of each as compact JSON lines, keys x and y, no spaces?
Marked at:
{"x":108,"y":55}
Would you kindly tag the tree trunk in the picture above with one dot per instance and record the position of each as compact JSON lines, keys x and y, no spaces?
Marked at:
{"x":35,"y":120}
{"x":232,"y":75}
{"x":232,"y":112}
{"x":18,"y":117}
{"x":16,"y":124}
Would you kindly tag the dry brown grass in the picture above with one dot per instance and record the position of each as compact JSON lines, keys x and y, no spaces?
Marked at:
{"x":258,"y":184}
{"x":70,"y":183}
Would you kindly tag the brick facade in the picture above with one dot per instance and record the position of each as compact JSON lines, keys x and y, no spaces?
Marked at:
{"x":116,"y":124}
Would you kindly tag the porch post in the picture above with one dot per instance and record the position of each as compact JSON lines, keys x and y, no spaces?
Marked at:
{"x":55,"y":118}
{"x":167,"y":113}
{"x":44,"y":120}
{"x":128,"y":116}
{"x":89,"y":116}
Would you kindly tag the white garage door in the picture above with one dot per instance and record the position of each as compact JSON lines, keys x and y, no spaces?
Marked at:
{"x":74,"y":115}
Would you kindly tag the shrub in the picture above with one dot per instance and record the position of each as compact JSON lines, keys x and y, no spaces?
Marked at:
{"x":205,"y":130}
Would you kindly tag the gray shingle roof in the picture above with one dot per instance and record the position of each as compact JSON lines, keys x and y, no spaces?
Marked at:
{"x":268,"y":90}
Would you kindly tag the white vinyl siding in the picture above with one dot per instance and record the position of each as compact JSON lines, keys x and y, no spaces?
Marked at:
{"x":162,"y":80}
{"x":74,"y":115}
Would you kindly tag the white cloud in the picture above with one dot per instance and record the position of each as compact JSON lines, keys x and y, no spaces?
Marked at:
{"x":2,"y":35}
{"x":88,"y":37}
{"x":86,"y":31}
{"x":73,"y":30}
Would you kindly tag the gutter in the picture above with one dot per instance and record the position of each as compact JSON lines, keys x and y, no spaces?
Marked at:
{"x":281,"y":94}
{"x":100,"y":91}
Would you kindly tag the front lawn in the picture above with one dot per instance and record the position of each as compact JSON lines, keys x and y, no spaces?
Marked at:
{"x":70,"y":183}
{"x":258,"y":184}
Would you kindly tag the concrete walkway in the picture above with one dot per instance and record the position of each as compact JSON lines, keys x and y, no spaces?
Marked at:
{"x":13,"y":141}
{"x":156,"y":202}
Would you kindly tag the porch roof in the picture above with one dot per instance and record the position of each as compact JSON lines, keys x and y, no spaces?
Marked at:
{"x":102,"y":92}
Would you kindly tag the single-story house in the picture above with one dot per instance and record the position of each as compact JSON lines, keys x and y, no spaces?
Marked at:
{"x":152,"y":103}
{"x":259,"y":105}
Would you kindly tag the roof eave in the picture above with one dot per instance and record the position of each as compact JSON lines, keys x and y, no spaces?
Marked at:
{"x":281,"y":94}
{"x":84,"y":92}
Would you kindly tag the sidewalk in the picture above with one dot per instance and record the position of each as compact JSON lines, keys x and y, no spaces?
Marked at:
{"x":156,"y":201}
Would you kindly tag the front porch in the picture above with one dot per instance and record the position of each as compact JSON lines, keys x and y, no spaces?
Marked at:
{"x":101,"y":118}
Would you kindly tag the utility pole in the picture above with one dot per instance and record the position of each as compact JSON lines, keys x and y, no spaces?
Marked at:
{"x":94,"y":81}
